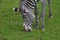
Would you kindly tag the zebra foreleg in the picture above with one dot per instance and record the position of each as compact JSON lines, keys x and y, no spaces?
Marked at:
{"x":36,"y":14}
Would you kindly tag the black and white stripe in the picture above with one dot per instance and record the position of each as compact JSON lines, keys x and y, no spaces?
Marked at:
{"x":30,"y":3}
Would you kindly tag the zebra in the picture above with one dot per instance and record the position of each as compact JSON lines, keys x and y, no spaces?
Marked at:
{"x":26,"y":7}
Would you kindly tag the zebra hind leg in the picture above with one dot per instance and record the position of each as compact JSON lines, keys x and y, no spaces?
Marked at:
{"x":43,"y":13}
{"x":50,"y":9}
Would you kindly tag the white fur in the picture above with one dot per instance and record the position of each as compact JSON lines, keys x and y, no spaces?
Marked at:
{"x":13,"y":9}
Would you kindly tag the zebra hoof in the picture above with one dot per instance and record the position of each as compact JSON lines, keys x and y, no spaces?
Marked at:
{"x":37,"y":27}
{"x":50,"y":16}
{"x":43,"y":29}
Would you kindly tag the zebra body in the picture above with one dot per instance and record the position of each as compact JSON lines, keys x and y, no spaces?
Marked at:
{"x":27,"y":14}
{"x":27,"y":7}
{"x":30,"y":4}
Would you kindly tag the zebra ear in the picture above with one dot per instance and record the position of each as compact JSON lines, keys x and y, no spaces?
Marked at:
{"x":15,"y":9}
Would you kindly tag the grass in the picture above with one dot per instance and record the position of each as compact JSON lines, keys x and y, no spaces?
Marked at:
{"x":11,"y":23}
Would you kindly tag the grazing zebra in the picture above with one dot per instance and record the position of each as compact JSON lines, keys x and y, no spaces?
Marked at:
{"x":26,"y":7}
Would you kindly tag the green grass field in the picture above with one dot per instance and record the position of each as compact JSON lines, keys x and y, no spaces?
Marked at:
{"x":11,"y":23}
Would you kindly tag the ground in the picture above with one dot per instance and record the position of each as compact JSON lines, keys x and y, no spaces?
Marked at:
{"x":11,"y":23}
